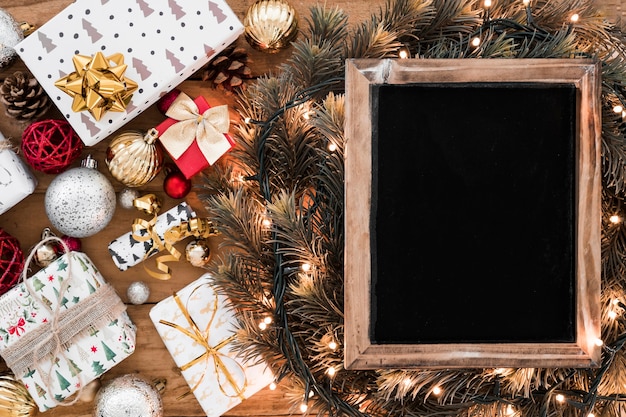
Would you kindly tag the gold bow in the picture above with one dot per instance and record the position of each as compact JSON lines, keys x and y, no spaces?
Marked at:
{"x":210,"y":352}
{"x":143,"y":231}
{"x":96,"y":85}
{"x":207,"y":129}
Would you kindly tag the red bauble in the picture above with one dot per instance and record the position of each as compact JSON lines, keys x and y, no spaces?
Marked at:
{"x":166,"y":101}
{"x":11,"y":261}
{"x":50,"y":146}
{"x":73,"y":243}
{"x":176,"y":185}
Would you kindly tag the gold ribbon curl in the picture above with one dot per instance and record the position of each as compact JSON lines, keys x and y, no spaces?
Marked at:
{"x":210,"y":352}
{"x":143,"y":231}
{"x":207,"y":129}
{"x":98,"y":84}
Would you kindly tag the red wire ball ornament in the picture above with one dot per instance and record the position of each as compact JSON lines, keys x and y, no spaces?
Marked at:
{"x":50,"y":146}
{"x":176,"y":185}
{"x":11,"y":261}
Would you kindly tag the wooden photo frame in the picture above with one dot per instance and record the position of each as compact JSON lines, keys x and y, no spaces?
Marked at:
{"x":472,"y":213}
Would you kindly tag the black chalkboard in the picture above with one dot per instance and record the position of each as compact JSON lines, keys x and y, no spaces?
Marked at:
{"x":473,"y":213}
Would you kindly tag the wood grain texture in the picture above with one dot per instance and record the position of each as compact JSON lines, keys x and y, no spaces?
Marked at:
{"x":27,"y":218}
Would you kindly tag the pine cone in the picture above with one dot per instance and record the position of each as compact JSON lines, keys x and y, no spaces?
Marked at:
{"x":228,"y":69}
{"x":23,"y":97}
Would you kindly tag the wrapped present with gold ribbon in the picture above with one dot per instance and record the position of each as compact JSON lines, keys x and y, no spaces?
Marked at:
{"x":146,"y":236}
{"x":195,"y":134}
{"x":164,"y":42}
{"x":198,"y":328}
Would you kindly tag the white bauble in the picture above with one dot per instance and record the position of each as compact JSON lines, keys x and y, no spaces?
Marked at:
{"x":80,"y":202}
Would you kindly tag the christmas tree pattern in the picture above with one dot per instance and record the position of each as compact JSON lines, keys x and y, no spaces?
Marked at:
{"x":97,"y":368}
{"x":40,"y":391}
{"x":83,"y":263}
{"x":82,"y":353}
{"x":91,"y":31}
{"x":90,"y":287}
{"x":89,"y":124}
{"x":46,"y":42}
{"x":37,"y":284}
{"x":178,"y":66}
{"x":63,"y":383}
{"x":108,"y":352}
{"x":59,"y":397}
{"x":29,"y":373}
{"x":141,"y":68}
{"x":63,"y":302}
{"x":61,"y":264}
{"x":143,"y":6}
{"x":217,"y":12}
{"x":47,"y":302}
{"x":74,"y":369}
{"x":176,"y":9}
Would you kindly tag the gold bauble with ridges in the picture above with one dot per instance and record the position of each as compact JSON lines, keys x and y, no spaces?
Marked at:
{"x":270,"y":25}
{"x":134,"y":158}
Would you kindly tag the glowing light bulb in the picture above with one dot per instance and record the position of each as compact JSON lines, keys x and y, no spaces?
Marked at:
{"x":304,"y":407}
{"x":262,"y":325}
{"x":618,"y":109}
{"x":407,"y":382}
{"x":331,"y":146}
{"x":273,"y":386}
{"x":615,"y":219}
{"x":591,"y":415}
{"x":247,"y":120}
{"x":560,"y":398}
{"x":332,"y":345}
{"x":526,"y":2}
{"x":475,"y":42}
{"x":574,"y":18}
{"x":616,"y":301}
{"x":331,"y":371}
{"x":598,"y":342}
{"x":510,"y":410}
{"x":266,"y":223}
{"x":306,"y":267}
{"x":612,"y":315}
{"x":403,"y":53}
{"x":487,"y":3}
{"x":437,"y":390}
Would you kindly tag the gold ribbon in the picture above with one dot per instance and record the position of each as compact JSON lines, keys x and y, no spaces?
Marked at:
{"x":211,"y":353}
{"x":98,"y":84}
{"x":143,"y":231}
{"x":207,"y":129}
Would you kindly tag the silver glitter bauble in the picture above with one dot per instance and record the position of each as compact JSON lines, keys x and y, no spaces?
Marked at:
{"x":80,"y":202}
{"x":128,"y":395}
{"x":138,"y":292}
{"x":127,"y":197}
{"x":10,"y":35}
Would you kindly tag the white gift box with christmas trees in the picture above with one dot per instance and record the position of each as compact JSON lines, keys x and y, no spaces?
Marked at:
{"x":62,"y":328}
{"x":162,"y":43}
{"x":16,"y":180}
{"x":198,"y":326}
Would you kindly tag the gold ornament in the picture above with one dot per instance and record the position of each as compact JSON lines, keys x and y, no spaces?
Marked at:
{"x":133,"y":158}
{"x":198,"y":253}
{"x":46,"y":253}
{"x":96,"y":85}
{"x":89,"y":391}
{"x":15,"y":400}
{"x":270,"y":25}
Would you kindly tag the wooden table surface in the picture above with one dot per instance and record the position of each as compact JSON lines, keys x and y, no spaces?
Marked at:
{"x":27,"y":219}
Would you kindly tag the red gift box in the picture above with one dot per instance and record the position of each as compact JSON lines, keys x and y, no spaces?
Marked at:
{"x":193,"y":160}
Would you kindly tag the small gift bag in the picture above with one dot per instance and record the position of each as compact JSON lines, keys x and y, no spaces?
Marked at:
{"x":197,"y":326}
{"x":16,"y":180}
{"x":62,"y":328}
{"x":195,"y":134}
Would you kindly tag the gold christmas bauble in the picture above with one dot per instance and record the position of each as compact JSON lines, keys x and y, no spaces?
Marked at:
{"x":198,"y":252}
{"x":15,"y":400}
{"x":270,"y":25}
{"x":135,"y":158}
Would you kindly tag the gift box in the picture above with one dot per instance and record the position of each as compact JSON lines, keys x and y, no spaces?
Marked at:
{"x":16,"y":180}
{"x":163,"y":42}
{"x":195,"y":134}
{"x":127,"y":251}
{"x":197,"y":326}
{"x":62,"y":328}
